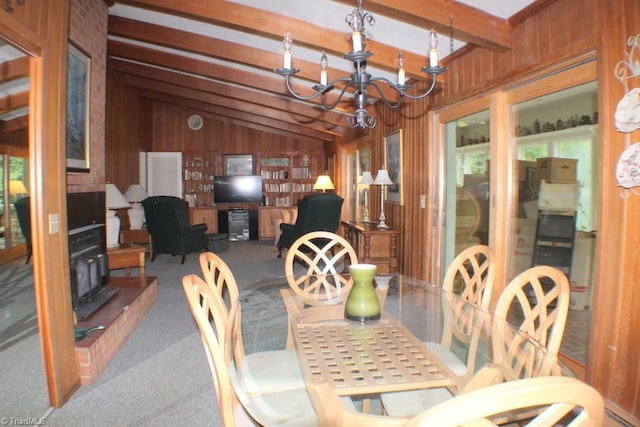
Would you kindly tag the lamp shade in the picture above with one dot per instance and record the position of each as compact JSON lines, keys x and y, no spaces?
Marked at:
{"x":17,"y":187}
{"x":382,"y":178}
{"x":135,"y":193}
{"x":366,"y":178}
{"x":323,"y":183}
{"x":115,"y":199}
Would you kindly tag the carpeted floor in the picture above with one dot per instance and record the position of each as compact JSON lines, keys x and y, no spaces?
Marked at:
{"x":160,"y":376}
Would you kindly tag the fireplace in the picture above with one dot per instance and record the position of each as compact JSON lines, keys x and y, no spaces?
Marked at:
{"x":88,"y":267}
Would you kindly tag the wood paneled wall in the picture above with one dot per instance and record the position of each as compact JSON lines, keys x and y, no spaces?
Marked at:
{"x":129,"y":118}
{"x":614,"y":367}
{"x":171,"y":133}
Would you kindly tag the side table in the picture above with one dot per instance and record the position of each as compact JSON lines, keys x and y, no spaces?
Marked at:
{"x":126,"y":256}
{"x":374,"y":246}
{"x":140,"y":236}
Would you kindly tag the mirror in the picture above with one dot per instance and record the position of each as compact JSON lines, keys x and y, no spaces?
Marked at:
{"x":23,"y":382}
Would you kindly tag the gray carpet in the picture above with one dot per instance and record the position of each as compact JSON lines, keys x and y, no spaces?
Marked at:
{"x":22,"y":382}
{"x":160,"y":376}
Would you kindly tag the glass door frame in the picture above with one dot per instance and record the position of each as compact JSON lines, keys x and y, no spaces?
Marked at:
{"x":437,"y":164}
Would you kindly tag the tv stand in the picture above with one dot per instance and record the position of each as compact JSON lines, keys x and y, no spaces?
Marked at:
{"x":229,"y":221}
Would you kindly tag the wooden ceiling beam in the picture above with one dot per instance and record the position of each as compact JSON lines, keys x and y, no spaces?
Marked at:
{"x":14,"y":69}
{"x":14,"y":101}
{"x":273,"y":84}
{"x":469,"y":24}
{"x":258,"y":122}
{"x":219,"y":49}
{"x":229,"y":91}
{"x":18,"y":123}
{"x":258,"y":110}
{"x":271,"y":25}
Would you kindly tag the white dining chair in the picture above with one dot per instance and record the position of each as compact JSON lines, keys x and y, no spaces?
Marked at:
{"x":315,"y":268}
{"x":546,"y":401}
{"x":261,"y":372}
{"x":536,"y":302}
{"x":238,"y":405}
{"x":470,"y":277}
{"x":467,"y":289}
{"x":217,"y":327}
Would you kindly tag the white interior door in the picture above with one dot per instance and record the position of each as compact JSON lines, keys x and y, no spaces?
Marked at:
{"x":164,"y":174}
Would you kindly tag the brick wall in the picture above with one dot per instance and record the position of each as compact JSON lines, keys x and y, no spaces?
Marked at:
{"x":88,"y":31}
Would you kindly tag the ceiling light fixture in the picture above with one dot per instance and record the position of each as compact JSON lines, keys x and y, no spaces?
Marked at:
{"x":360,"y":80}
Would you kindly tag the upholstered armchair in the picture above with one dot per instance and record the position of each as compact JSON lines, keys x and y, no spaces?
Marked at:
{"x":24,"y":220}
{"x":316,"y":212}
{"x":170,"y":229}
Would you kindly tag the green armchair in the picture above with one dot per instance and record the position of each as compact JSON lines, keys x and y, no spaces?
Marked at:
{"x":170,"y":229}
{"x":316,"y":212}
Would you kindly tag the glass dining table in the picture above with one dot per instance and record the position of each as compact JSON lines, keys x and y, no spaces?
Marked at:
{"x":425,"y":338}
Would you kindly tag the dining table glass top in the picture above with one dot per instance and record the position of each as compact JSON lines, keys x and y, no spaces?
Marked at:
{"x":425,"y":338}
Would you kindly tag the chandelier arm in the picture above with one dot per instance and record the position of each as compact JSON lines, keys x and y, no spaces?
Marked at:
{"x":384,"y":98}
{"x":287,"y":80}
{"x":402,"y":89}
{"x":423,"y":95}
{"x":339,"y":98}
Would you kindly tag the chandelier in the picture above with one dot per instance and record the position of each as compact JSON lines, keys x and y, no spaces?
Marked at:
{"x":360,"y":80}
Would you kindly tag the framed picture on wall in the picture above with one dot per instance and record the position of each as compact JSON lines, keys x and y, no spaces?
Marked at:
{"x":78,"y":147}
{"x":393,"y":163}
{"x":238,"y":164}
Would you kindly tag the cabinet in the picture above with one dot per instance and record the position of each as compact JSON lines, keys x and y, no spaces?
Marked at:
{"x":199,"y":169}
{"x":269,"y":217}
{"x":288,"y":176}
{"x":207,"y":215}
{"x":374,"y":246}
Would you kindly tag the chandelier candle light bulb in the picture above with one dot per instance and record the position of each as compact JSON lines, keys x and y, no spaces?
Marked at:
{"x":324,"y":63}
{"x":401,"y":78}
{"x":287,"y":43}
{"x":433,"y":49}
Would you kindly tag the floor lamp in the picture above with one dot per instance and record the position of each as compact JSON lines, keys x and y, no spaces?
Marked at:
{"x":382,"y":179}
{"x":365,"y":180}
{"x":115,"y":200}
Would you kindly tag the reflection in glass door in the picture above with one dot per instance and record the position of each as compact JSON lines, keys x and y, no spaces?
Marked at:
{"x":14,"y":174}
{"x":356,"y":160}
{"x":467,"y":190}
{"x":556,"y":146}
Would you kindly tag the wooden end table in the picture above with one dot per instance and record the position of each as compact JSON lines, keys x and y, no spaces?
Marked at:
{"x":140,"y":236}
{"x":127,"y":256}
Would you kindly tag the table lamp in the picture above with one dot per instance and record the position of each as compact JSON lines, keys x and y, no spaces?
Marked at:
{"x":134,"y":195}
{"x":382,"y":179}
{"x":323,"y":183}
{"x":115,"y":200}
{"x":17,"y":187}
{"x":365,"y":181}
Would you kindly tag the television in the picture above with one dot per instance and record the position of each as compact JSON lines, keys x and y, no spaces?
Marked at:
{"x":237,"y":189}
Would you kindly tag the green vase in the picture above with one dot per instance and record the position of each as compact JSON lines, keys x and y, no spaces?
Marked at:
{"x":362,"y":302}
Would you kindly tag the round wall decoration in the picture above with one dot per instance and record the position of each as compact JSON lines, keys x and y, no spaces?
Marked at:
{"x":194,"y":122}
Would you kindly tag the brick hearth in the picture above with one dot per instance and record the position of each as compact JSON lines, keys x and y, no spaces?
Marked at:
{"x":120,"y":315}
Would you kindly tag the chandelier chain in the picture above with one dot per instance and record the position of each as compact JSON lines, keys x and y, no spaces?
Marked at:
{"x":450,"y":34}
